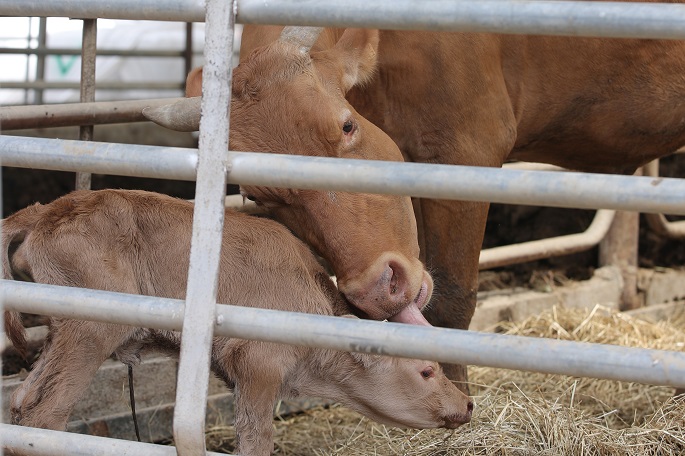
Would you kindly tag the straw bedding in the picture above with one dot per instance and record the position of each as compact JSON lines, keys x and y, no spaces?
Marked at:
{"x":519,"y":413}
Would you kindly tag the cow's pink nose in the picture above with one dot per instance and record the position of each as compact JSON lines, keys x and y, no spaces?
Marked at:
{"x":392,"y":288}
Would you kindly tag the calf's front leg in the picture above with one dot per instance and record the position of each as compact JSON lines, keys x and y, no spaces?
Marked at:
{"x":257,"y":389}
{"x":72,"y":354}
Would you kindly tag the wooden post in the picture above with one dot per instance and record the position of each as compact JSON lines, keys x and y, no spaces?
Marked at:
{"x":620,"y":248}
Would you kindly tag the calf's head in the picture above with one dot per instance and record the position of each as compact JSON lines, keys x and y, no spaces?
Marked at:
{"x":286,"y":99}
{"x":405,"y":393}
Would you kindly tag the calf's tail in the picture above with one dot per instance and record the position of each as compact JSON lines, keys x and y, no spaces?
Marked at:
{"x":14,"y":231}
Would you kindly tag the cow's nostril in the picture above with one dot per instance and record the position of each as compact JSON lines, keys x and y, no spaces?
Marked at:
{"x":469,"y":407}
{"x":396,"y":285}
{"x":393,"y":281}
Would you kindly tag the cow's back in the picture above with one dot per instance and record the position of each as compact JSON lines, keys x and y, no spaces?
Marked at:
{"x":603,"y":105}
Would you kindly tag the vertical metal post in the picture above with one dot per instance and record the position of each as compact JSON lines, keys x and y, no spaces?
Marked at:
{"x":200,"y":305}
{"x":620,"y":248}
{"x":88,"y":57}
{"x":28,"y":61}
{"x":188,"y":51}
{"x":40,"y":58}
{"x":2,"y":322}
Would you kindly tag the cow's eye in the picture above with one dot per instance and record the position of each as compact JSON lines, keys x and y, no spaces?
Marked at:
{"x":348,"y":127}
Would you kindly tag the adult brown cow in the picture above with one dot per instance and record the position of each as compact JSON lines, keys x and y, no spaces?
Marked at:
{"x":599,"y":105}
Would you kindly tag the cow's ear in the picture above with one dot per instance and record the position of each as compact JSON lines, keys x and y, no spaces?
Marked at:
{"x":194,"y":83}
{"x":357,"y":56}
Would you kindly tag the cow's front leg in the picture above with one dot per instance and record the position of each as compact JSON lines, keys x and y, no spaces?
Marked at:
{"x":451,"y":237}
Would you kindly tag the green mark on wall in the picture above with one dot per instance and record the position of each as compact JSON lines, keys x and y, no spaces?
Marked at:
{"x":63,"y":66}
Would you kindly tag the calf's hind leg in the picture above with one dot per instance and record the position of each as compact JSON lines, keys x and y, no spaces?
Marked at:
{"x":72,"y":354}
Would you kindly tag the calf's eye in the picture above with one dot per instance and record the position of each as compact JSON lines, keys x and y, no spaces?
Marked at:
{"x":427,"y":372}
{"x":348,"y":127}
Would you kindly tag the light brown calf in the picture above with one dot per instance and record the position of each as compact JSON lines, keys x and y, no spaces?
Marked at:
{"x":138,"y":242}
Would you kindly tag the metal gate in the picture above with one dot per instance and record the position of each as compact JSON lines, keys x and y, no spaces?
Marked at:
{"x":212,"y":167}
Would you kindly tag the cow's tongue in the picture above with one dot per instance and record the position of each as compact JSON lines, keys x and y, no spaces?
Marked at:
{"x":412,"y":313}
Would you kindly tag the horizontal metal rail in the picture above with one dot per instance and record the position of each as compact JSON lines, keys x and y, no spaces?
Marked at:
{"x":539,"y":188}
{"x":105,"y":158}
{"x":152,"y":10}
{"x":657,"y":367}
{"x":42,"y":442}
{"x":100,"y":52}
{"x":101,"y":85}
{"x":74,"y":114}
{"x":603,"y":19}
{"x":546,"y":248}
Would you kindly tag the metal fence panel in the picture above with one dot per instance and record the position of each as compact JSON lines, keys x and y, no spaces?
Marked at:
{"x":614,"y":19}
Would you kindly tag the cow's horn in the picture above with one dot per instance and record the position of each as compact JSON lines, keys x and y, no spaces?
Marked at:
{"x":302,"y":37}
{"x":182,"y":115}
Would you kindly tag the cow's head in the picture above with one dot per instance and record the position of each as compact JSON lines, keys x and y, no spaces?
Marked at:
{"x":287,"y":99}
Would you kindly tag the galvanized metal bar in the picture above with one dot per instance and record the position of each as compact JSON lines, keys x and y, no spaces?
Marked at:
{"x":546,"y":248}
{"x":101,"y":52}
{"x":106,"y":158}
{"x":3,"y":338}
{"x":187,"y":53}
{"x":82,"y":303}
{"x":602,"y":19}
{"x":539,"y":188}
{"x":152,"y":10}
{"x":541,"y":17}
{"x":29,"y":37}
{"x":40,"y":60}
{"x":42,"y":442}
{"x":208,"y":219}
{"x":72,"y":114}
{"x":534,"y":354}
{"x":88,"y":58}
{"x":104,"y":85}
{"x":657,"y":222}
{"x":508,"y":186}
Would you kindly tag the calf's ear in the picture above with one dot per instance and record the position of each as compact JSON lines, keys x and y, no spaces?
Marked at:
{"x":356,"y":53}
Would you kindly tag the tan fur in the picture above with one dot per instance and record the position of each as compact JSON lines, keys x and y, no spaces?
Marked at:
{"x":138,"y":242}
{"x":278,"y":97}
